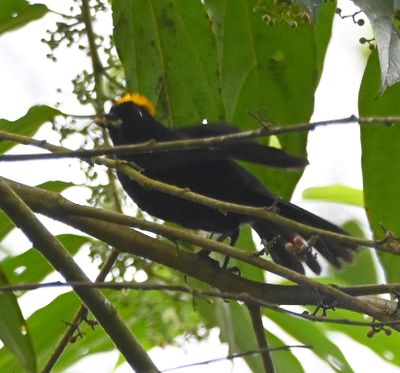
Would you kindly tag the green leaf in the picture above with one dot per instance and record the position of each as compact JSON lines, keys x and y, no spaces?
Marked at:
{"x":28,"y":124}
{"x":51,"y":317}
{"x":47,"y":326}
{"x":284,"y":360}
{"x":6,"y":225}
{"x":336,"y":193}
{"x":17,"y":13}
{"x":381,"y":171}
{"x":381,"y":344}
{"x":158,"y":323}
{"x":185,"y":57}
{"x":237,"y":330}
{"x":55,"y":186}
{"x":169,"y":54}
{"x":311,"y":334}
{"x":387,"y":36}
{"x":14,"y":332}
{"x":354,"y":273}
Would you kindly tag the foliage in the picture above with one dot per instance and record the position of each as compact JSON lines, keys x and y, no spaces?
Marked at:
{"x":217,"y":60}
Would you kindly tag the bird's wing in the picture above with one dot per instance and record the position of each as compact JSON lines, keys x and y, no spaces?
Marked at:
{"x":248,"y":150}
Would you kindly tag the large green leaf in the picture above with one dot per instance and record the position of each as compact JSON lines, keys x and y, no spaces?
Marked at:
{"x":236,"y":330}
{"x":17,"y":13}
{"x":29,"y":267}
{"x":46,"y":325}
{"x":383,"y":345}
{"x":14,"y":332}
{"x":168,"y":53}
{"x":381,"y":170}
{"x":54,"y":316}
{"x":311,"y":334}
{"x":218,"y":60}
{"x":284,"y":360}
{"x":336,"y":193}
{"x":28,"y":124}
{"x":238,"y":326}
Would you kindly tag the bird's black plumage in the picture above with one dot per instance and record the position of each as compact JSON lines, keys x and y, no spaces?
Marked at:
{"x":215,"y":173}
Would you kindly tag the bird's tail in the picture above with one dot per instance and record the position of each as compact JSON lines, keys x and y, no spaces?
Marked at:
{"x":291,"y":248}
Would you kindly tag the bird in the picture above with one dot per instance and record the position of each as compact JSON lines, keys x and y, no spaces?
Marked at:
{"x":216,"y":173}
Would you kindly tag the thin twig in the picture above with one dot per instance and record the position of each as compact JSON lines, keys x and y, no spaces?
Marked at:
{"x":240,"y":297}
{"x":190,"y":144}
{"x":237,"y":355}
{"x":259,"y":212}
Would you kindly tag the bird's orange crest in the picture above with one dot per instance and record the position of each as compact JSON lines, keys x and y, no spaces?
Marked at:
{"x":138,"y":100}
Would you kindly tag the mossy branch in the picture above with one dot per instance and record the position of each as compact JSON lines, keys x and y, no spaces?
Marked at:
{"x":131,"y":241}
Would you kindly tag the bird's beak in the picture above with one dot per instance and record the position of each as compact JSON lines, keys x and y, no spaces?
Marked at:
{"x":107,"y":120}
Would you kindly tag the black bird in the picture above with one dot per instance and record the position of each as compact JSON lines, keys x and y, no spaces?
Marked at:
{"x":214,"y":173}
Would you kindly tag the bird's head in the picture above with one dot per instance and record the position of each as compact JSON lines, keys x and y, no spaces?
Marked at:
{"x":130,"y":101}
{"x":127,"y":117}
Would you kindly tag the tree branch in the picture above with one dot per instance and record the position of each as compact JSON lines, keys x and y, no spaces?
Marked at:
{"x":214,"y":142}
{"x":256,"y":319}
{"x":134,"y":242}
{"x":386,"y":245}
{"x":60,"y":259}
